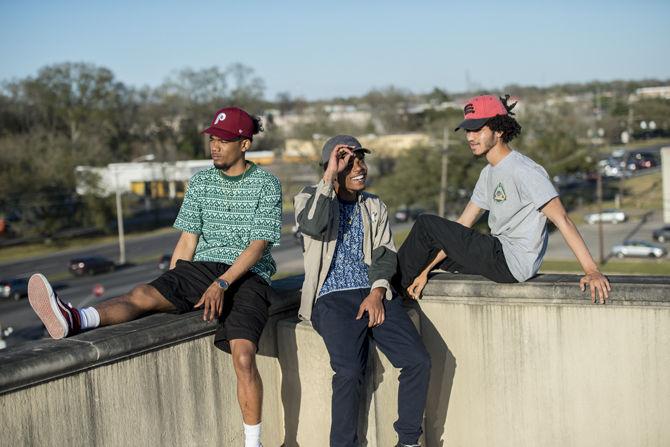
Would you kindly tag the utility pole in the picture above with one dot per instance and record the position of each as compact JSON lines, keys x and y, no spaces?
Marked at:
{"x":601,"y":242}
{"x":599,"y":185}
{"x":442,"y":206}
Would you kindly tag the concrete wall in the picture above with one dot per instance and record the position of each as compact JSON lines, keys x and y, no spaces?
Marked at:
{"x":513,"y":368}
{"x":530,"y":364}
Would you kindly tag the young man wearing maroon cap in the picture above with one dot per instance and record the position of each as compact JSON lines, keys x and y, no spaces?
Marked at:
{"x":230,"y":218}
{"x":350,"y":259}
{"x":519,"y":197}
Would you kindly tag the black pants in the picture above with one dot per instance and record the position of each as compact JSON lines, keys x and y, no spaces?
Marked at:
{"x":468,"y":251}
{"x":347,"y":341}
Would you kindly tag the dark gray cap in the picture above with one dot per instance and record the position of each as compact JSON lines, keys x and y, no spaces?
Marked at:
{"x":348,"y":140}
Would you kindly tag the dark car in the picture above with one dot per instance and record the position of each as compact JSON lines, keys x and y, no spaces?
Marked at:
{"x":641,"y":160}
{"x":661,"y":234}
{"x":408,"y":214}
{"x":14,"y":288}
{"x":91,"y":265}
{"x":164,"y":262}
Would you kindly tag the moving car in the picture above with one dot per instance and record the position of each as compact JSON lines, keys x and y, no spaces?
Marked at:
{"x":610,"y":216}
{"x":638,"y":249}
{"x":91,"y":265}
{"x":14,"y":288}
{"x":661,"y":234}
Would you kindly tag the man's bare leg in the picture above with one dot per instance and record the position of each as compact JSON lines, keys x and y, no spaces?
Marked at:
{"x":249,"y":388}
{"x":249,"y":385}
{"x":61,"y":319}
{"x":139,"y":301}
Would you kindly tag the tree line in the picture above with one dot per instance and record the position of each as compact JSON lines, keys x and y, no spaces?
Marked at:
{"x":72,"y":114}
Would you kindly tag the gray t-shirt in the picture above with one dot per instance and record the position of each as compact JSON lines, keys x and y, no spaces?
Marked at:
{"x":513,"y":191}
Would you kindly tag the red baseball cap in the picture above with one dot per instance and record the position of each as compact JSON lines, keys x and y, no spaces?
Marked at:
{"x":231,"y":123}
{"x":479,"y":110}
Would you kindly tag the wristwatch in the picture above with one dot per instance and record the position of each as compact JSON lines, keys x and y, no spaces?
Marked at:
{"x":223,"y":284}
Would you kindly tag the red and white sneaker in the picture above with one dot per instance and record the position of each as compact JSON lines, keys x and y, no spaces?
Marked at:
{"x":60,"y":319}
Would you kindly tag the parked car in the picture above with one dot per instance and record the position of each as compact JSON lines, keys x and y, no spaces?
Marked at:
{"x":164,"y":262}
{"x":14,"y":288}
{"x":639,"y":249}
{"x":610,"y":216}
{"x":641,"y":160}
{"x":661,"y":234}
{"x":91,"y":265}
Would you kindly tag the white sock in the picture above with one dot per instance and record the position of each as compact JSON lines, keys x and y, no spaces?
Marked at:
{"x":252,"y":435}
{"x":90,"y":318}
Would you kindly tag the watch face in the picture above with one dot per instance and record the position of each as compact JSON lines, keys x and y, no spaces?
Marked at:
{"x":223,"y":284}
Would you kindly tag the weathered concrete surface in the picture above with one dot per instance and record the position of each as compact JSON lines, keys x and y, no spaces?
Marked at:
{"x":537,"y":365}
{"x":156,"y":381}
{"x":532,"y":364}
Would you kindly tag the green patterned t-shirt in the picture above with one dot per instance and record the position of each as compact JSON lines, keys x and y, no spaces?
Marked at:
{"x":229,"y":212}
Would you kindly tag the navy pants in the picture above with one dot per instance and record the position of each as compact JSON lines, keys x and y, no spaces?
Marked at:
{"x":348,"y":340}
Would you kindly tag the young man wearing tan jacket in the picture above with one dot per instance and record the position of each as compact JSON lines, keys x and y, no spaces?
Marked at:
{"x":349,"y":261}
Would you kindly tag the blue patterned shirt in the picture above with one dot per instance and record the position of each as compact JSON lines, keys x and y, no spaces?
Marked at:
{"x":347,"y":270}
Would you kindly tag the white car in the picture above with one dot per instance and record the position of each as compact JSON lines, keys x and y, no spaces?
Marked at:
{"x":610,"y":216}
{"x":638,"y":248}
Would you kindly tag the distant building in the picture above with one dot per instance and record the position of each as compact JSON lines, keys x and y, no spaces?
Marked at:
{"x":155,"y":179}
{"x":654,"y":92}
{"x":381,"y":145}
{"x":335,"y":112}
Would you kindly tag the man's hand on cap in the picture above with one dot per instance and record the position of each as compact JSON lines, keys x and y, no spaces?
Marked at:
{"x":338,"y":161}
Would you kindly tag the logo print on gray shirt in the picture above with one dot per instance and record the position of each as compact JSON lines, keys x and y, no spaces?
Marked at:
{"x":499,"y":194}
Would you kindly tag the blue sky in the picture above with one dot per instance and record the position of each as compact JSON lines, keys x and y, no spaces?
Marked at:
{"x":325,"y":49}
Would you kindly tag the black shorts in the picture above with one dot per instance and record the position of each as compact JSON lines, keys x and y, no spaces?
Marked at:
{"x":245,"y":303}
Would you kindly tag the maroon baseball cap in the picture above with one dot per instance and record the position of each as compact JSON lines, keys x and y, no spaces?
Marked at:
{"x":231,"y":123}
{"x":479,"y":110}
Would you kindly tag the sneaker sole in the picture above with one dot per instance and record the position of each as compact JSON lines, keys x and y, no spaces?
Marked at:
{"x":43,"y":302}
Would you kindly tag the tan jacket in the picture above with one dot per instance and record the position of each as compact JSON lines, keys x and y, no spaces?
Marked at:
{"x":317,"y":216}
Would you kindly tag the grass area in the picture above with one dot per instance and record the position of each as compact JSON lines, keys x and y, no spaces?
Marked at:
{"x":399,"y":237}
{"x":613,"y":267}
{"x":282,"y":275}
{"x":641,"y":194}
{"x":642,"y":144}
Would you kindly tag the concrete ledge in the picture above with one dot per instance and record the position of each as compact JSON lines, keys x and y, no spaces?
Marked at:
{"x":561,"y":289}
{"x":533,"y":364}
{"x":44,"y":360}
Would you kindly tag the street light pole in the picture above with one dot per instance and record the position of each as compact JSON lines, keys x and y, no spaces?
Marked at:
{"x":119,"y":219}
{"x":442,"y":206}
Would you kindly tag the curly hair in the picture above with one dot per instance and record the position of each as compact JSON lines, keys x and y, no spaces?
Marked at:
{"x":509,"y":127}
{"x":258,"y":124}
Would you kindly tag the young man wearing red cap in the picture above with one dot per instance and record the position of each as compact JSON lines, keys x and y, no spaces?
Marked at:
{"x":230,"y":218}
{"x":519,"y":197}
{"x":349,"y":261}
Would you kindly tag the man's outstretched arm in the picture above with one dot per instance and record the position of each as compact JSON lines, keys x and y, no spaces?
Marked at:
{"x":597,"y":282}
